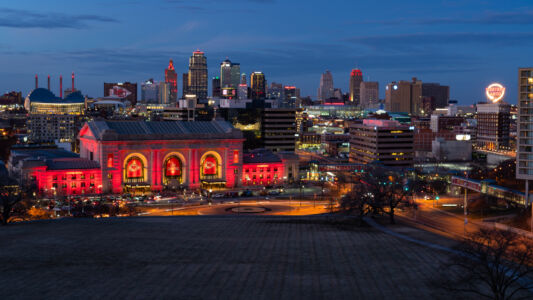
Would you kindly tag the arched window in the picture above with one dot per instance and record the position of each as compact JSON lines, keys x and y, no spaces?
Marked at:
{"x":173,"y":170}
{"x":210,"y":166}
{"x":134,"y":171}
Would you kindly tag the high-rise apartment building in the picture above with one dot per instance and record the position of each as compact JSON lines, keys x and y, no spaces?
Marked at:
{"x":386,"y":141}
{"x":524,"y":155}
{"x":230,"y":74}
{"x":198,"y":75}
{"x":325,"y":89}
{"x":404,"y":96}
{"x":258,"y":85}
{"x":278,"y":129}
{"x":369,"y":94}
{"x":172,"y":79}
{"x":356,"y":77}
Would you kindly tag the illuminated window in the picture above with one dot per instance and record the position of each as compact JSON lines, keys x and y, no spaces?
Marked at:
{"x":173,"y":167}
{"x":210,"y":166}
{"x":92,"y":176}
{"x":110,"y":160}
{"x":235,"y":156}
{"x":82,"y":176}
{"x":73,"y":185}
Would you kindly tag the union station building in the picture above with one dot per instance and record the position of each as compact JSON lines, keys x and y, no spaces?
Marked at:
{"x":138,"y":156}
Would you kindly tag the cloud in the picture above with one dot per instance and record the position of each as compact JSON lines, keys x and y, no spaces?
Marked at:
{"x":403,"y":42}
{"x":17,"y":18}
{"x":487,"y":18}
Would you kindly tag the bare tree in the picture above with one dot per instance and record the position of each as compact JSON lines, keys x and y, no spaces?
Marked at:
{"x":357,"y":201}
{"x":10,"y":196}
{"x":388,"y":189}
{"x":493,"y":264}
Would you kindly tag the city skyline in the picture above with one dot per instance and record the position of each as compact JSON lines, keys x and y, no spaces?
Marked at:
{"x":460,"y":45}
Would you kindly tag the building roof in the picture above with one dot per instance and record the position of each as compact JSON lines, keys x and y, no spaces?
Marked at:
{"x":258,"y":156}
{"x":42,"y":95}
{"x":71,"y":163}
{"x":164,"y":130}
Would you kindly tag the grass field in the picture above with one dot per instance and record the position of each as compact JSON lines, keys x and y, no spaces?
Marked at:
{"x":211,"y":257}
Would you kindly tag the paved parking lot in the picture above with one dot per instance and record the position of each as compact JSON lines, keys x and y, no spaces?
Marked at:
{"x":208,"y":257}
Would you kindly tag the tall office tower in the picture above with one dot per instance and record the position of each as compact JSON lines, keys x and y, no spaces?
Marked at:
{"x":356,"y":77}
{"x":164,"y":93}
{"x":278,"y":129}
{"x":243,"y":79}
{"x":150,"y":91}
{"x":215,"y":87}
{"x":326,"y":89}
{"x":385,"y":141}
{"x":440,"y":94}
{"x":185,"y":85}
{"x":198,"y":75}
{"x":235,"y":75}
{"x":230,"y":74}
{"x":289,"y":100}
{"x":258,"y":85}
{"x":524,"y":157}
{"x":172,"y":79}
{"x":225,"y":73}
{"x":404,"y":96}
{"x":493,"y":122}
{"x":369,"y":94}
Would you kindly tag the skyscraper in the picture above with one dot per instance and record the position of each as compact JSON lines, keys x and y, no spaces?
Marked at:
{"x":150,"y":91}
{"x":326,"y":89}
{"x":404,"y":96}
{"x":172,"y":79}
{"x":229,"y":74}
{"x":369,"y":94}
{"x":356,"y":77}
{"x":243,"y":79}
{"x":215,"y":87}
{"x":258,"y":82}
{"x":164,"y":93}
{"x":198,"y":75}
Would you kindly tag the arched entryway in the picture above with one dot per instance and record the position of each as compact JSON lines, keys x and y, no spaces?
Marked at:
{"x":173,"y":171}
{"x":211,"y":171}
{"x":135,"y":174}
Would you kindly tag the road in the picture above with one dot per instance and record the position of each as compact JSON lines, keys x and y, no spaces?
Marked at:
{"x":448,"y":223}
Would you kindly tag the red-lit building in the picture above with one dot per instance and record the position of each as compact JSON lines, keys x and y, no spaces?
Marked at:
{"x":172,"y":79}
{"x":262,"y":167}
{"x":67,"y":176}
{"x":150,"y":156}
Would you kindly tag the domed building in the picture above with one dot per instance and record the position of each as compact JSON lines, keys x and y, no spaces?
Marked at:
{"x":43,"y":101}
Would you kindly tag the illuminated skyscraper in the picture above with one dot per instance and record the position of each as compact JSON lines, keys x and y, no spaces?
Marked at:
{"x":404,"y":96}
{"x":243,"y":79}
{"x":197,"y":79}
{"x":325,"y":90}
{"x":172,"y":79}
{"x":229,"y":74}
{"x":356,"y":77}
{"x":258,"y":85}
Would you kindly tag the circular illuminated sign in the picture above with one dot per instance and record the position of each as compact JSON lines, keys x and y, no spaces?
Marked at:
{"x":495,"y":92}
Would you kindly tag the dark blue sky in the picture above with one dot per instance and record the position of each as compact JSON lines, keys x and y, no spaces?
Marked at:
{"x":466,"y":44}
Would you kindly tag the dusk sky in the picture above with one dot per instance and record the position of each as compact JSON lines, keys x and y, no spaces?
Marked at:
{"x":465,"y":44}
